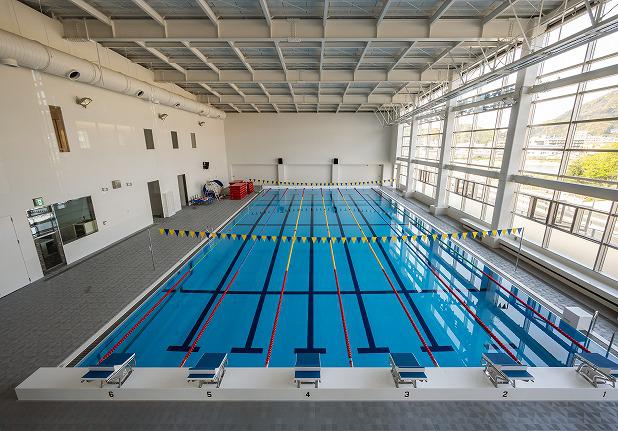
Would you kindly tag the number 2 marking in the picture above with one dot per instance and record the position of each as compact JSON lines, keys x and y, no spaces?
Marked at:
{"x":505,"y":394}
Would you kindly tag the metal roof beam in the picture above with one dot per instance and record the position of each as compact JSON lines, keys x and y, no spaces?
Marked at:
{"x":240,"y":55}
{"x":497,"y":11}
{"x":163,"y":57}
{"x":150,"y":11}
{"x":304,"y":31}
{"x":280,"y":55}
{"x":266,"y":13}
{"x":441,"y":11}
{"x":88,"y":8}
{"x":384,"y":11}
{"x":236,"y":89}
{"x":209,"y":88}
{"x":360,"y":59}
{"x":325,"y":13}
{"x":202,"y":57}
{"x":401,"y":57}
{"x":442,"y":55}
{"x":209,"y":12}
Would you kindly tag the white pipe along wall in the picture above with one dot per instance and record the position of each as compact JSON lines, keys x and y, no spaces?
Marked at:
{"x":18,"y":51}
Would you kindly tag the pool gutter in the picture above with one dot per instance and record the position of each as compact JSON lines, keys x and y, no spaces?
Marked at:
{"x":126,"y":312}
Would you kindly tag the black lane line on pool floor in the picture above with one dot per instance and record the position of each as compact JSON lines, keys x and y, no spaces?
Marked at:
{"x":310,"y":348}
{"x":372,"y":348}
{"x":248,"y":348}
{"x":184,"y":347}
{"x":327,"y":292}
{"x":571,"y":348}
{"x":434,"y":346}
{"x":464,"y":304}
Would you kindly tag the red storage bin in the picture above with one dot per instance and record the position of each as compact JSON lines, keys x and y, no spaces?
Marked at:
{"x":238,"y":190}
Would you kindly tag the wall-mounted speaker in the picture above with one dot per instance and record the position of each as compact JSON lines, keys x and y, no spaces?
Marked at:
{"x":280,"y":161}
{"x":335,"y":161}
{"x":205,"y":165}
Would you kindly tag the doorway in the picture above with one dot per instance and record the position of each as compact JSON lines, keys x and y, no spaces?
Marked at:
{"x":182,"y":188}
{"x":156,"y":204}
{"x":12,"y":264}
{"x":46,"y":236}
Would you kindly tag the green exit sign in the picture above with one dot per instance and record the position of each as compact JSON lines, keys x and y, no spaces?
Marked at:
{"x":38,"y":202}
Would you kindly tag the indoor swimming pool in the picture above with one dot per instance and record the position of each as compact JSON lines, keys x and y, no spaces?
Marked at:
{"x":353,"y":302}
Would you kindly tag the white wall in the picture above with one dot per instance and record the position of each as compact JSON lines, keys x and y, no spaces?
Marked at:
{"x":308,"y":143}
{"x":107,"y":143}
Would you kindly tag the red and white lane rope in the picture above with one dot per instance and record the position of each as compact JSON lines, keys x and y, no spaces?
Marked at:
{"x":427,"y":263}
{"x":285,"y":279}
{"x":366,"y":240}
{"x":521,"y":301}
{"x":332,"y":257}
{"x":220,"y":300}
{"x":159,"y":302}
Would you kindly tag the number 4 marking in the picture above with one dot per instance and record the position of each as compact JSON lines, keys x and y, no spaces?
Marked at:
{"x":307,"y":394}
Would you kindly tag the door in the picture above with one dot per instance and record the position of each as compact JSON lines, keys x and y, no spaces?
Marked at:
{"x":12,"y":266}
{"x":182,"y":188}
{"x":156,"y":205}
{"x":46,"y":237}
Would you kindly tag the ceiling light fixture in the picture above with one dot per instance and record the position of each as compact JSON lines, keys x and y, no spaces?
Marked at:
{"x":201,"y":123}
{"x":162,"y":117}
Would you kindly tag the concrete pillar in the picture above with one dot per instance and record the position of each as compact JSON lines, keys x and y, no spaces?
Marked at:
{"x":513,"y":148}
{"x":440,"y":205}
{"x":413,"y":132}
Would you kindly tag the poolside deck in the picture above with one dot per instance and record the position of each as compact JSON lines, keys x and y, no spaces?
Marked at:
{"x":47,"y":320}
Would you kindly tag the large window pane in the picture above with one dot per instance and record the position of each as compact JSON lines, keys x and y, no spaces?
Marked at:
{"x":578,"y":249}
{"x":599,"y":104}
{"x":553,"y":111}
{"x":610,"y":268}
{"x":542,"y":161}
{"x":75,"y":218}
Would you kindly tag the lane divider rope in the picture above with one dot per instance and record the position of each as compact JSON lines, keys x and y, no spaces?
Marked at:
{"x":322,"y":184}
{"x":521,"y":301}
{"x":418,"y":333}
{"x":223,"y":295}
{"x":285,"y":278}
{"x":183,"y":233}
{"x":332,"y":257}
{"x":151,"y":309}
{"x":428,"y":264}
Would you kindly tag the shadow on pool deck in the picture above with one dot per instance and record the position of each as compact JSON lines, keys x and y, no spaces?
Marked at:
{"x":41,"y":324}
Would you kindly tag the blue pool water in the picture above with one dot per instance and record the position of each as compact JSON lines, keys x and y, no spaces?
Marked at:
{"x":310,"y":317}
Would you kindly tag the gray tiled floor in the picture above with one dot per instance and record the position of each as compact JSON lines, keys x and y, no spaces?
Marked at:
{"x":43,"y":323}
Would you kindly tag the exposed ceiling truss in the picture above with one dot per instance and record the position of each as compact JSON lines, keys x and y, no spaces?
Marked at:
{"x":298,"y":56}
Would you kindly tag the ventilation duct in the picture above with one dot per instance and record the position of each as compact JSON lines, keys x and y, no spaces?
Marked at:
{"x":19,"y":51}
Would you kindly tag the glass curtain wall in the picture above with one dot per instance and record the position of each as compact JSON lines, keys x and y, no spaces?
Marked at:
{"x":573,"y":137}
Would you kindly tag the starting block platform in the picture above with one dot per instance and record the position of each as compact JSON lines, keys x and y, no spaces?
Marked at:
{"x":338,"y":384}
